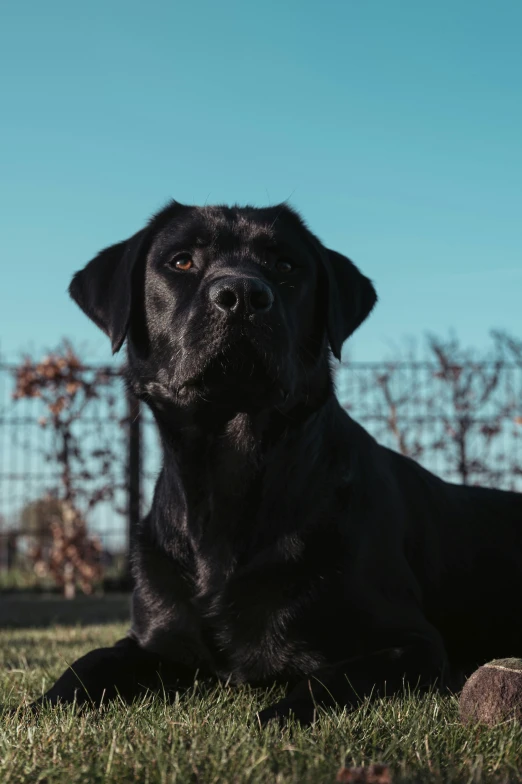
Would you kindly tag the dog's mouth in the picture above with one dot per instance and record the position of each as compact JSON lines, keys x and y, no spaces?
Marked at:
{"x":238,"y":371}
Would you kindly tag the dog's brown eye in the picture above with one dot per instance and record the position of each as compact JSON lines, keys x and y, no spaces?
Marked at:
{"x":183,"y":261}
{"x":283,"y":265}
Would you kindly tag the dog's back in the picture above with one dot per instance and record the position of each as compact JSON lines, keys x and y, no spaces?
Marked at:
{"x":465,"y":546}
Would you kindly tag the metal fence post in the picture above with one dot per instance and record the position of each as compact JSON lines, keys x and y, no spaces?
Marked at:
{"x":134,"y":470}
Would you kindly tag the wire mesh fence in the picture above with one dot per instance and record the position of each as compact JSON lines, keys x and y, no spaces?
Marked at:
{"x":461,"y":420}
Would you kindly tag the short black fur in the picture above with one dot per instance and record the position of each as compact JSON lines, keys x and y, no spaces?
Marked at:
{"x":283,"y":543}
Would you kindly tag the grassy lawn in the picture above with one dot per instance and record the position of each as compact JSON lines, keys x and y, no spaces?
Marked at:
{"x":211,"y":735}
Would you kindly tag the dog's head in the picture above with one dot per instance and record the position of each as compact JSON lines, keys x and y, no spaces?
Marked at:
{"x":230,"y":305}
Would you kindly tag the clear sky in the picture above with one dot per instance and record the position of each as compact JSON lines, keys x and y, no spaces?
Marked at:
{"x":395,"y":126}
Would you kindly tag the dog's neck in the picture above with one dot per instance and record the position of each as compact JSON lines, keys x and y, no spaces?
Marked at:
{"x":220,"y":478}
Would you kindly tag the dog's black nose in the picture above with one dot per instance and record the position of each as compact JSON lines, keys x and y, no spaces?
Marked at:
{"x":241,"y":295}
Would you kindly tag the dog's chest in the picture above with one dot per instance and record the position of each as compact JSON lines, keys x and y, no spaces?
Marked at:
{"x":253,"y":623}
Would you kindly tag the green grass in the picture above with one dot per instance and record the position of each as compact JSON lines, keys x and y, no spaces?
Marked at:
{"x":211,"y":734}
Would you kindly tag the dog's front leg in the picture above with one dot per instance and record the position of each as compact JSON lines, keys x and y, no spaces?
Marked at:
{"x":418,"y":663}
{"x":125,"y":670}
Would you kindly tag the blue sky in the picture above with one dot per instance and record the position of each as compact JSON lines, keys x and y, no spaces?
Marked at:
{"x":395,"y":126}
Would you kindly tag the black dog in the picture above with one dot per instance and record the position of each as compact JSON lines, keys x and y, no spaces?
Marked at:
{"x":283,"y":544}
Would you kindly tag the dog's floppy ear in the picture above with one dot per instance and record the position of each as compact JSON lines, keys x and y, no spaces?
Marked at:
{"x":103,"y":289}
{"x":351,"y":296}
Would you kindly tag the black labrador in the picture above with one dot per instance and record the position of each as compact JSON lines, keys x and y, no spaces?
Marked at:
{"x":283,"y":543}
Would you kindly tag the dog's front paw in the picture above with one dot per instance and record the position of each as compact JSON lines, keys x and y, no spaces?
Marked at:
{"x":303,"y":711}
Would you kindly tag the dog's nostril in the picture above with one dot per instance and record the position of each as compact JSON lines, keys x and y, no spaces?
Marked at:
{"x":261,"y":299}
{"x":227,"y":299}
